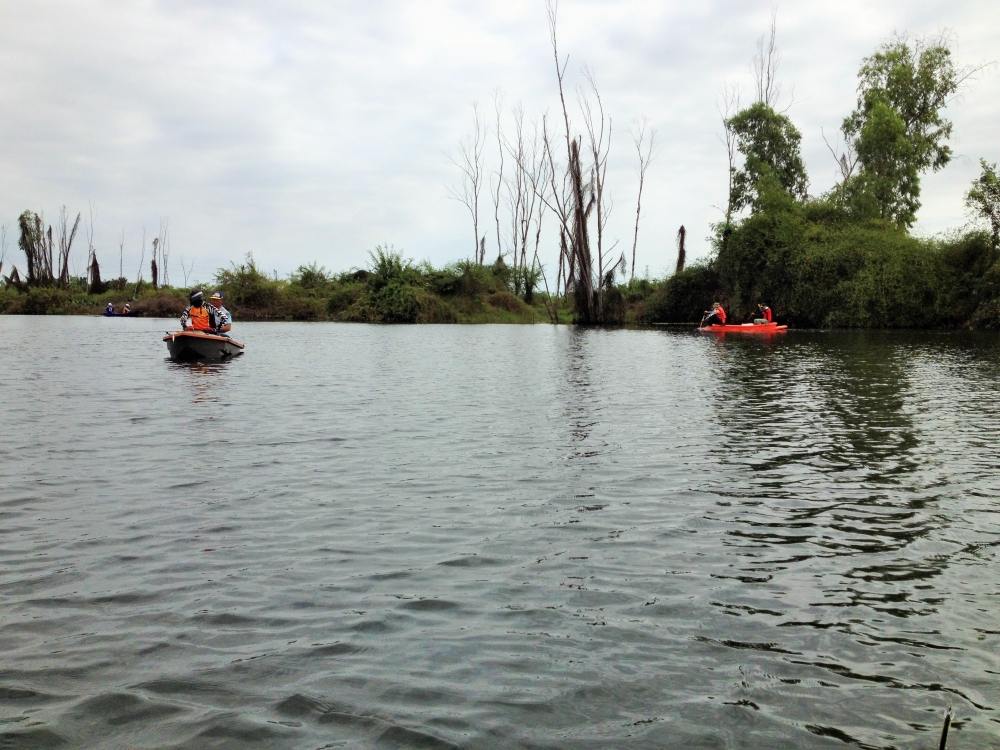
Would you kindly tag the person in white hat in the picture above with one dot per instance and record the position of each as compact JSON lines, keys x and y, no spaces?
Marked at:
{"x":223,"y":319}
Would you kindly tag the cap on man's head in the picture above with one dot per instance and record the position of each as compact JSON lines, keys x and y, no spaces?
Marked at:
{"x":216,"y":295}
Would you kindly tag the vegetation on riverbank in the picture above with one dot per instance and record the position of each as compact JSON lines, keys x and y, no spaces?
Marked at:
{"x":391,"y":290}
{"x":810,"y":263}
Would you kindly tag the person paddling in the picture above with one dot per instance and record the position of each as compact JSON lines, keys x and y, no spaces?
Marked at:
{"x":199,"y":316}
{"x":764,"y":314}
{"x":715,"y":316}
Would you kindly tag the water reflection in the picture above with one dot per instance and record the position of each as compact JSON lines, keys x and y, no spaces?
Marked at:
{"x":577,"y":404}
{"x":833,"y":494}
{"x":206,"y":378}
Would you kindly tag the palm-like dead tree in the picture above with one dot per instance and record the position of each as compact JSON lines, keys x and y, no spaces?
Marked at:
{"x":681,"y":253}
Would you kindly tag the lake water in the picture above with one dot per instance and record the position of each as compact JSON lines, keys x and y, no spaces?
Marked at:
{"x":497,"y":537}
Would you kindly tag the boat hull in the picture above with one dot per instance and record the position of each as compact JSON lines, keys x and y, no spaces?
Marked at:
{"x":196,"y":346}
{"x":751,"y":328}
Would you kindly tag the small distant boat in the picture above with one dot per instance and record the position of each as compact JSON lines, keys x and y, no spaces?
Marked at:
{"x":107,"y":314}
{"x":188,"y":346}
{"x":745,"y":328}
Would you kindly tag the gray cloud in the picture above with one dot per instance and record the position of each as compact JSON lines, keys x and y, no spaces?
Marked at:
{"x":312,"y":131}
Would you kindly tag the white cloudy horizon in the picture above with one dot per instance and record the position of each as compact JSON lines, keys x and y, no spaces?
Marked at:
{"x":314,"y":131}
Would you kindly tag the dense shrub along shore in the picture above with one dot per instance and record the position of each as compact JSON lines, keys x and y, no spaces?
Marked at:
{"x":813,"y":266}
{"x":391,"y":290}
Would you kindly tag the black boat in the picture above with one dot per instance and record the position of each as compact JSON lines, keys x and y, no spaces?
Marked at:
{"x":187,"y":346}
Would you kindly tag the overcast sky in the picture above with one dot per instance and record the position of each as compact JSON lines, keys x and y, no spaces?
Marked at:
{"x":312,"y":131}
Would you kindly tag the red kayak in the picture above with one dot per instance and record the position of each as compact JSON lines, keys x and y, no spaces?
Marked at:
{"x":746,"y":328}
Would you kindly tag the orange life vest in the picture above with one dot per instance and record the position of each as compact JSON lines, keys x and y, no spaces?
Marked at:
{"x":199,"y":318}
{"x":720,"y":314}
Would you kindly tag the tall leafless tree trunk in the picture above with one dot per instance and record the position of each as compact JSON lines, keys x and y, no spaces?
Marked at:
{"x":470,"y":164}
{"x":66,"y":236}
{"x":142,"y":258}
{"x":729,"y":107}
{"x":600,"y":146}
{"x":573,"y":214}
{"x":153,"y":268}
{"x":681,"y":253}
{"x":186,"y":270}
{"x":765,"y":66}
{"x":495,"y":187}
{"x":94,"y":283}
{"x":3,"y":246}
{"x":525,"y":193}
{"x":644,"y":151}
{"x":164,"y":247}
{"x":93,"y":269}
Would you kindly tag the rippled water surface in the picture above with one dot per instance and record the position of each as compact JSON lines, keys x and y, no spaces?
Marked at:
{"x":493,"y":536}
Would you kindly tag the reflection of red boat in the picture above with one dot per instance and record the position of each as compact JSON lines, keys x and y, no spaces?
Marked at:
{"x":198,"y":345}
{"x":746,"y":328}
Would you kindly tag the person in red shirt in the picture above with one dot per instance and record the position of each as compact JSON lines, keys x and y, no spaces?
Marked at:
{"x":764,"y":313}
{"x":715,"y":316}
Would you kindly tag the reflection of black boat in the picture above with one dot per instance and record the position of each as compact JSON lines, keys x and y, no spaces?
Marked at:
{"x":197,"y":345}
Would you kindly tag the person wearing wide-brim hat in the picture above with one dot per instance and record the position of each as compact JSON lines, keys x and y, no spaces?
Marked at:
{"x":223,"y":318}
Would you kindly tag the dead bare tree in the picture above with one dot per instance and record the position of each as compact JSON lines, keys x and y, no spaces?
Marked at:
{"x":847,"y":160}
{"x":3,"y":246}
{"x":495,"y":187}
{"x":470,"y":164}
{"x":644,"y":150}
{"x":588,"y":281}
{"x":681,"y":253}
{"x":154,"y":267}
{"x":66,"y":236}
{"x":765,"y":66}
{"x":164,"y":245}
{"x":570,"y":198}
{"x":121,"y":256}
{"x":142,"y":258}
{"x":600,"y":147}
{"x":94,"y":285}
{"x":524,"y":192}
{"x":728,"y":108}
{"x":37,"y":249}
{"x":186,"y":270}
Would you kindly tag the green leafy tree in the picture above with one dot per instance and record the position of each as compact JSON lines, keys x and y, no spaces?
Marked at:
{"x":888,"y":186}
{"x":769,"y":143}
{"x":983,"y":198}
{"x":912,"y":82}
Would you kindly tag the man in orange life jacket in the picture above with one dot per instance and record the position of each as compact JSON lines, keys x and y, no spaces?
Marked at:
{"x":199,"y":316}
{"x":715,"y":316}
{"x":764,"y":314}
